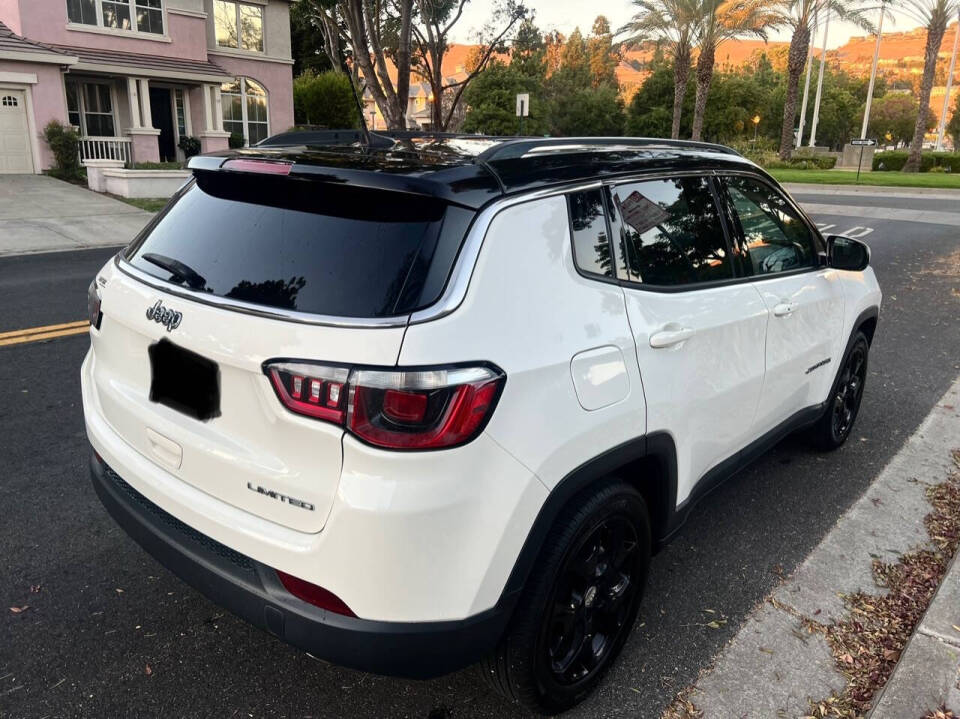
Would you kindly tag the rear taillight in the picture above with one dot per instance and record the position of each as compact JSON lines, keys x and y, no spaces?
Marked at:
{"x":394,"y":409}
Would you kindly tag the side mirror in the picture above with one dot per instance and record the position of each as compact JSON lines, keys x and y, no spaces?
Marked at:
{"x":846,"y":253}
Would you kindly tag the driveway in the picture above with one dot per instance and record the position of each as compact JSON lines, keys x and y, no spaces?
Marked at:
{"x":41,"y":214}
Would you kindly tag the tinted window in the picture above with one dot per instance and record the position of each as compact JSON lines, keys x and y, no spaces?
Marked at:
{"x":302,"y":245}
{"x":591,"y":246}
{"x":672,"y":231}
{"x":774,"y":237}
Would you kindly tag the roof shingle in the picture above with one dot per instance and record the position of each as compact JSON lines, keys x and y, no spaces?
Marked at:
{"x":10,"y":41}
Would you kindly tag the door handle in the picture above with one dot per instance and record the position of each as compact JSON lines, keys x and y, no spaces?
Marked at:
{"x":784,"y":309}
{"x":670,"y":337}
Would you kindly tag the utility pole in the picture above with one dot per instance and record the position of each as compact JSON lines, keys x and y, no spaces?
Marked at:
{"x":873,"y":71}
{"x":823,"y":63}
{"x":946,"y":96}
{"x":806,"y":83}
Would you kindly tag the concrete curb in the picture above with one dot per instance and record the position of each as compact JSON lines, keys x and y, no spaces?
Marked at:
{"x":774,"y":667}
{"x":935,"y":193}
{"x":928,"y":673}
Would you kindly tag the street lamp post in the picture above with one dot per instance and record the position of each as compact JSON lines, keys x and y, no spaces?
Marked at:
{"x":756,"y":125}
{"x":806,"y":84}
{"x":946,"y":95}
{"x":823,"y":63}
{"x":873,"y":72}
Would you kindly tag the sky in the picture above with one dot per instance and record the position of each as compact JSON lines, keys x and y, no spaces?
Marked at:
{"x":565,"y":15}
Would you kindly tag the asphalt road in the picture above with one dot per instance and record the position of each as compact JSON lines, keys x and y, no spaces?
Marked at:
{"x":109,"y":632}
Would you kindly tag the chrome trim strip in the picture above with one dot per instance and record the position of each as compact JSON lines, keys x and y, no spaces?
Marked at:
{"x":273,"y":313}
{"x":456,"y":289}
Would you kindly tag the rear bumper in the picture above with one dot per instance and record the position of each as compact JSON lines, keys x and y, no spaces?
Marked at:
{"x":417,"y":650}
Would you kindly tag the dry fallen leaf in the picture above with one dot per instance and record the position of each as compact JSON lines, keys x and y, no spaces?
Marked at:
{"x":17,"y":610}
{"x":148,"y":671}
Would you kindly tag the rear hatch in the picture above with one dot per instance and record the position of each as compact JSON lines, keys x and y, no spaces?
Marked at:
{"x":242,"y":268}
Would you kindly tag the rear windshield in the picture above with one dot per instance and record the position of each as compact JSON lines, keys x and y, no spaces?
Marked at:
{"x":303,"y":245}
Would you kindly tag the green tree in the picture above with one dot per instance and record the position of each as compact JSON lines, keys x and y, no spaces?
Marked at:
{"x":953,"y":127}
{"x":894,"y":116}
{"x":326,"y":99}
{"x":602,"y":57}
{"x":491,"y":101}
{"x":933,"y":15}
{"x":672,"y":21}
{"x":717,"y":22}
{"x":799,"y":16}
{"x":589,"y":111}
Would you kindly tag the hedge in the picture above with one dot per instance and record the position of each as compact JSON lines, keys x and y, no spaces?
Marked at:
{"x":801,"y":162}
{"x":893,"y":161}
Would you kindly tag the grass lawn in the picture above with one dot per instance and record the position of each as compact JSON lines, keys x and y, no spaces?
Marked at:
{"x":149,"y":204}
{"x":848,"y":177}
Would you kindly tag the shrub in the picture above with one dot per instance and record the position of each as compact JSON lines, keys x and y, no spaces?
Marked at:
{"x":157,"y":166}
{"x":894,"y":160}
{"x":324,"y":99}
{"x":189,"y":145}
{"x":64,"y":143}
{"x":236,"y":141}
{"x":798,"y":162}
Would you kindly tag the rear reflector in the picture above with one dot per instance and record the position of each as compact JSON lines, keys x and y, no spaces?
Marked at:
{"x":268,"y":167}
{"x":394,"y":409}
{"x":312,"y":594}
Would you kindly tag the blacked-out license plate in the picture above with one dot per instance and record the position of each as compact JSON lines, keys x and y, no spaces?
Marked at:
{"x":184,"y":380}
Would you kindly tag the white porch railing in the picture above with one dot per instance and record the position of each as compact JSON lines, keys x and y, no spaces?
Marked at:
{"x":105,"y":148}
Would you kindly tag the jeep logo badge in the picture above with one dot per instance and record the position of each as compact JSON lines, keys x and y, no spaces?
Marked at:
{"x":164,"y":316}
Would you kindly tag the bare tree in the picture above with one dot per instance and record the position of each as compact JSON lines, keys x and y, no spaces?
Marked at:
{"x":375,"y":31}
{"x":933,"y":15}
{"x":434,"y":21}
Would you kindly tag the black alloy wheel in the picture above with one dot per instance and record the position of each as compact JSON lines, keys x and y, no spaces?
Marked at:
{"x":592,"y":600}
{"x":849,"y":392}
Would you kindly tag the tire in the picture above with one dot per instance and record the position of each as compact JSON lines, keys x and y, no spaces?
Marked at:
{"x":843,"y":405}
{"x":545,"y":661}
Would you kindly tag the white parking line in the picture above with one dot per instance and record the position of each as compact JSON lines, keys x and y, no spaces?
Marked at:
{"x":824,"y":226}
{"x":858,"y":232}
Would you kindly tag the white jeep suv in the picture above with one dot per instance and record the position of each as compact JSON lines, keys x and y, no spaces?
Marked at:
{"x":417,"y":406}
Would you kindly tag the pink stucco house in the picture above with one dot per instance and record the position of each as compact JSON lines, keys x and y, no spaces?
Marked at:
{"x":134,"y":76}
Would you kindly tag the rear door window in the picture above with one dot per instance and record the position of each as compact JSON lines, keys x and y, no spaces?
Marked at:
{"x":303,"y":245}
{"x":588,"y":224}
{"x":671,"y":231}
{"x":772,"y":236}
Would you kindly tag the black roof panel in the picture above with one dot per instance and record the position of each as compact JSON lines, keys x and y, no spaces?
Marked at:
{"x":470,"y":170}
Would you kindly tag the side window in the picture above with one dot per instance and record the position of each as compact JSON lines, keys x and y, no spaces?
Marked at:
{"x":588,"y":224}
{"x":774,"y":237}
{"x":672,"y":231}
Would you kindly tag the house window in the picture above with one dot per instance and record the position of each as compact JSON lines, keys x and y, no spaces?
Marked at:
{"x":181,"y":113}
{"x":9,"y":101}
{"x":90,"y":107}
{"x":135,"y":15}
{"x":238,"y":25}
{"x":245,"y":109}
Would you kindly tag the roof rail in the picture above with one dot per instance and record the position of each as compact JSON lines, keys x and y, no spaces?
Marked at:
{"x":513,"y":148}
{"x":378,"y":138}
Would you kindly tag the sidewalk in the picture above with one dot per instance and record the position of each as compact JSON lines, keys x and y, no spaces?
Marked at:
{"x":782,"y":663}
{"x":934,"y":193}
{"x":928,"y":674}
{"x":42,"y":214}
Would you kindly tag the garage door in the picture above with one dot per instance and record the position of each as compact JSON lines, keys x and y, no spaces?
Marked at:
{"x":15,"y":155}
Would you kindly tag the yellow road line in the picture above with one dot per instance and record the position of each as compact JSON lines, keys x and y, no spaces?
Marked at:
{"x":41,"y":330}
{"x":36,"y":334}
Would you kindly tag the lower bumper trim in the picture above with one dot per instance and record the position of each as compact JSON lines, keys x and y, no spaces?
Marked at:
{"x":414,"y":650}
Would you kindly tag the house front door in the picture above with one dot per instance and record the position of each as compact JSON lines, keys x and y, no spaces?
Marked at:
{"x":161,"y":108}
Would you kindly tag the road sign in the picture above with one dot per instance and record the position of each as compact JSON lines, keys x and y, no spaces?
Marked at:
{"x":523,"y":104}
{"x":863,"y":141}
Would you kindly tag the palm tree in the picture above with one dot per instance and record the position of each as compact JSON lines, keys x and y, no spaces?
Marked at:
{"x":933,"y":15}
{"x":799,"y":14}
{"x":717,"y":22}
{"x":671,"y":21}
